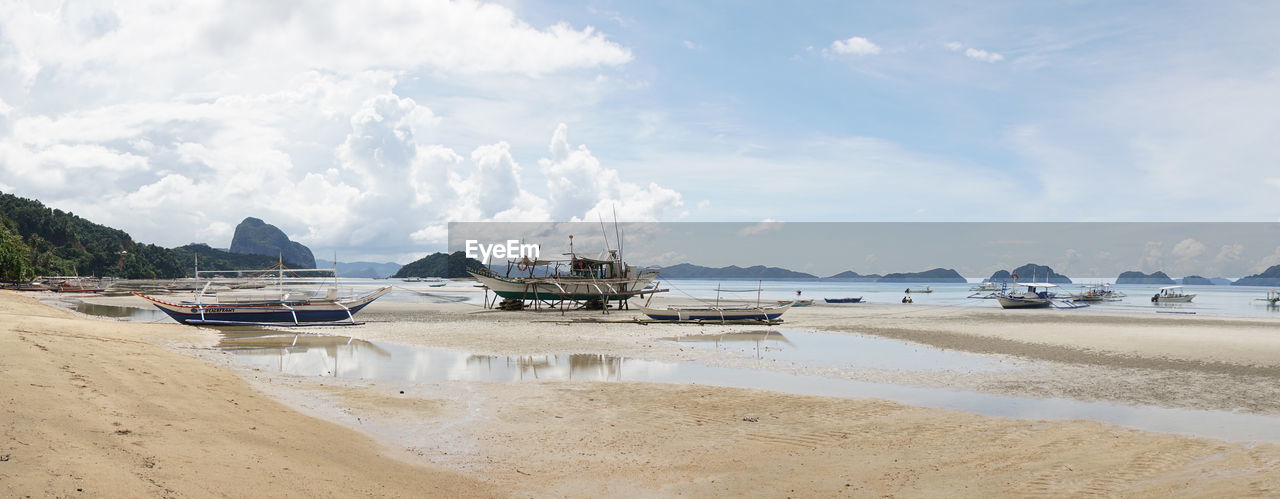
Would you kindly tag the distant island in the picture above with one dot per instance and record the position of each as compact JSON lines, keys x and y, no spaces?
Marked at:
{"x":1135,"y":277}
{"x":850,"y":275}
{"x":1269,"y":277}
{"x":256,"y":237}
{"x":1195,"y":280}
{"x":361,"y":269}
{"x":1030,"y":273}
{"x":446,"y":265}
{"x":932,"y":275}
{"x":690,"y":271}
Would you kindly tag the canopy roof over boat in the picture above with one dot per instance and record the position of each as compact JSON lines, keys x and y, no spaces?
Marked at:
{"x":1170,"y":288}
{"x":1037,"y":284}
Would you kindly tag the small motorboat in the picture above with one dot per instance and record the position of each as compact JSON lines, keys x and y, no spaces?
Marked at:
{"x":925,"y":289}
{"x":843,"y":300}
{"x":1172,"y":294}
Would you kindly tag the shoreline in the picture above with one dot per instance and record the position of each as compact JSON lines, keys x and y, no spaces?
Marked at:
{"x":669,"y":439}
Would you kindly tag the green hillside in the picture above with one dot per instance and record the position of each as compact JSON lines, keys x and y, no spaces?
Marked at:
{"x":36,"y":240}
{"x":440,"y":265}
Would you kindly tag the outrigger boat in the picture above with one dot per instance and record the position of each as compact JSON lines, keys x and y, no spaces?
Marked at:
{"x":1172,"y":294}
{"x":76,"y":285}
{"x":988,"y":286}
{"x":1098,"y":293}
{"x":282,"y":307}
{"x":1272,"y":299}
{"x":715,"y":311}
{"x":925,"y":289}
{"x":1034,"y":295}
{"x":576,"y":279}
{"x":723,"y":314}
{"x":843,"y":300}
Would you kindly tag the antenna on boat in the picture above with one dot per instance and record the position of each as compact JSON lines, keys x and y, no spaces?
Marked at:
{"x":616,"y":234}
{"x":604,"y":233}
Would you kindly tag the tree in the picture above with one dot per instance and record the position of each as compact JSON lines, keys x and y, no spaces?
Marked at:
{"x":13,"y":254}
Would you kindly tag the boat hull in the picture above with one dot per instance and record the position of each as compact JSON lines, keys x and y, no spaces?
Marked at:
{"x":566,"y":288}
{"x":262,"y":313}
{"x":1008,"y":302}
{"x":843,"y":300}
{"x":1173,"y":299}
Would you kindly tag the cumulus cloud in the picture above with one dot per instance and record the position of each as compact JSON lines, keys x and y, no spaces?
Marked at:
{"x":580,"y":188}
{"x":855,"y":45}
{"x":1230,"y":253}
{"x":1188,"y":249}
{"x":210,"y":111}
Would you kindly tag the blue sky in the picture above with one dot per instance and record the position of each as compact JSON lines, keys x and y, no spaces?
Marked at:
{"x":366,"y":127}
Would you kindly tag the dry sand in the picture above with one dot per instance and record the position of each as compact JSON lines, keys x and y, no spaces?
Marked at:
{"x":91,"y":407}
{"x":579,"y":439}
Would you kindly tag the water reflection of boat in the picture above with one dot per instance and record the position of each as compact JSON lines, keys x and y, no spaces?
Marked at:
{"x":1172,"y":294}
{"x":843,"y":300}
{"x":743,"y":337}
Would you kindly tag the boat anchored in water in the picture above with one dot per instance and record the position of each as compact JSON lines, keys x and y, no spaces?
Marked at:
{"x":1034,"y":295}
{"x":1098,"y":293}
{"x":925,"y":289}
{"x":1172,"y":294}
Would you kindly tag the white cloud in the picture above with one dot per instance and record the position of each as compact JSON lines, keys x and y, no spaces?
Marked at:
{"x":1230,"y":253}
{"x":210,"y":111}
{"x":580,"y":188}
{"x":855,"y":45}
{"x":983,"y":55}
{"x":692,"y":45}
{"x":974,"y":53}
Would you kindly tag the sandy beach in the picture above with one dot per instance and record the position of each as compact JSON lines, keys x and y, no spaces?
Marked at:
{"x":114,"y":408}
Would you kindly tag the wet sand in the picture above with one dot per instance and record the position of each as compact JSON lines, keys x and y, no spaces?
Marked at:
{"x":561,"y":438}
